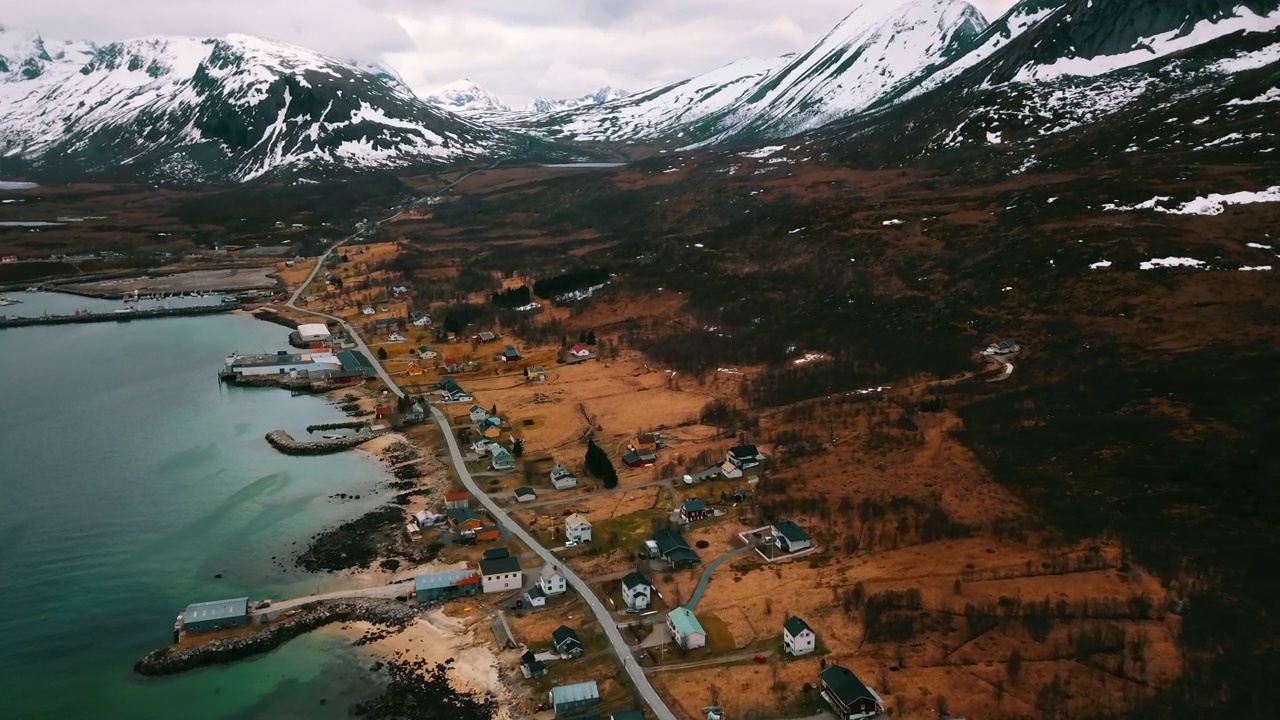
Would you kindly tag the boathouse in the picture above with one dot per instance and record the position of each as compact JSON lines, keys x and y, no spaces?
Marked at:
{"x":216,"y":615}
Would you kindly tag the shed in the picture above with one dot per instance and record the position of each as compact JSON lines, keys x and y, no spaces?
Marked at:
{"x":216,"y":615}
{"x":567,"y":698}
{"x":525,"y":494}
{"x":532,"y":666}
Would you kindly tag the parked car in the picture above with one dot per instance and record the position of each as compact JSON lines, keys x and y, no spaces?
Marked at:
{"x":760,"y":658}
{"x":263,"y":604}
{"x":688,"y":479}
{"x":571,"y":543}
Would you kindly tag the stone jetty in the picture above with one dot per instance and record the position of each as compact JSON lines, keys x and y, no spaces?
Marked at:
{"x":349,"y":425}
{"x":174,"y":659}
{"x":8,"y":322}
{"x":284,"y":442}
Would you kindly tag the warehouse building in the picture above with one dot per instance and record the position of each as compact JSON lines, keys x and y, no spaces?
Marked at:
{"x":216,"y":615}
{"x":313,"y":332}
{"x":567,"y":698}
{"x":447,"y":585}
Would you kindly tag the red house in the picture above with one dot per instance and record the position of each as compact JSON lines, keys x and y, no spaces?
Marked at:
{"x":694,"y":509}
{"x":457,"y":500}
{"x":384,"y":412}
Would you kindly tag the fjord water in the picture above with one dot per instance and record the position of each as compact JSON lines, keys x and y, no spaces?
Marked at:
{"x":129,"y":478}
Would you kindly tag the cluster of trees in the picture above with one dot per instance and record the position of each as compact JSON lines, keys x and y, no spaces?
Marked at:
{"x":599,"y":466}
{"x":512,"y":297}
{"x":570,"y":281}
{"x":723,"y":414}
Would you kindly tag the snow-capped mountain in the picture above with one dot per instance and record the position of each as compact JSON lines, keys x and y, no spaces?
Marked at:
{"x":882,"y":47}
{"x":599,"y":97}
{"x":1052,"y":83}
{"x":466,"y":98}
{"x":238,"y":108}
{"x":664,"y":111}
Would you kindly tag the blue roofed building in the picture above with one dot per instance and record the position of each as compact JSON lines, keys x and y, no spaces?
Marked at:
{"x":216,"y":615}
{"x":568,"y":698}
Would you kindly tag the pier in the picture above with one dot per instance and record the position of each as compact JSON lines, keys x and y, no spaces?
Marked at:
{"x":284,"y":442}
{"x":99,"y":317}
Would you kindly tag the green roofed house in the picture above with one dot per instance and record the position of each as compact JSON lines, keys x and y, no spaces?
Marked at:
{"x":673,"y":548}
{"x":627,"y":715}
{"x":501,"y":458}
{"x":847,"y":695}
{"x":686,"y":629}
{"x":790,"y":537}
{"x":354,"y":361}
{"x":216,"y":615}
{"x":567,"y":698}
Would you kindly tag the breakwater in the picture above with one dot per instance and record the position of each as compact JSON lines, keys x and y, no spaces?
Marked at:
{"x":350,"y":425}
{"x":9,"y":322}
{"x":173,"y":659}
{"x":284,"y":442}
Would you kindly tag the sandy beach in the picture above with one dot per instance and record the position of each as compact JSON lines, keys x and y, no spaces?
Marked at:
{"x":435,"y":638}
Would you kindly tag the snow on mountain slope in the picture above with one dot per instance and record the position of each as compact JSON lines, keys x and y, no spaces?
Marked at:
{"x":662,"y":111}
{"x":466,"y":98}
{"x":599,"y":97}
{"x":176,"y":108}
{"x":881,"y":47}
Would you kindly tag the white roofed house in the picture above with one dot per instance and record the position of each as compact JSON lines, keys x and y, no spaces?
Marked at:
{"x":552,"y":581}
{"x":313,"y":332}
{"x":577,"y":528}
{"x":797,"y":637}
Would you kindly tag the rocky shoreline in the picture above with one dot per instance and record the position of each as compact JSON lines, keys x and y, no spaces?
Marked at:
{"x":172,"y":660}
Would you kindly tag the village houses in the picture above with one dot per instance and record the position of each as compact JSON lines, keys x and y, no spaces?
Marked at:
{"x":694,"y":509}
{"x":847,"y":695}
{"x":502,"y":573}
{"x":790,"y":537}
{"x":636,"y":591}
{"x":685,"y":629}
{"x":577,"y":529}
{"x":566,"y":641}
{"x":562,"y":478}
{"x":552,"y":581}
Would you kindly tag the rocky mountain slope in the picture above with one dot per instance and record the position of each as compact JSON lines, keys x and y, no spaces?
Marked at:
{"x":882,"y":47}
{"x":210,"y":109}
{"x":468,"y":98}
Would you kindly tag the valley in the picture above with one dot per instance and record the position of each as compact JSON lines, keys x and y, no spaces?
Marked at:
{"x":982,"y":311}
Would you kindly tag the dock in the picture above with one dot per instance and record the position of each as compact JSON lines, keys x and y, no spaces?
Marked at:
{"x":100,"y":317}
{"x":284,"y":442}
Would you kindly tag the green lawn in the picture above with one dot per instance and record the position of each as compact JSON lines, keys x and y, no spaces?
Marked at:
{"x":627,"y":533}
{"x":719,"y":639}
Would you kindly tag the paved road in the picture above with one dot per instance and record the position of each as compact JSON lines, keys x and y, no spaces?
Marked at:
{"x":616,"y":640}
{"x":382,"y":591}
{"x":382,"y":373}
{"x":713,"y":662}
{"x":706,"y":575}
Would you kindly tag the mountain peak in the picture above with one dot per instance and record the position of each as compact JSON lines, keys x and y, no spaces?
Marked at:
{"x":601,"y":96}
{"x":466,"y":96}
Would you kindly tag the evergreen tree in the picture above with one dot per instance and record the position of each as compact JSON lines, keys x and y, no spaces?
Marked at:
{"x":517,"y":447}
{"x":493,"y":411}
{"x":582,"y":336}
{"x":591,"y":337}
{"x":382,"y":353}
{"x":599,"y":466}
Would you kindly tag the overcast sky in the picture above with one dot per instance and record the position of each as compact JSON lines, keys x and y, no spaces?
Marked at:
{"x":517,"y":49}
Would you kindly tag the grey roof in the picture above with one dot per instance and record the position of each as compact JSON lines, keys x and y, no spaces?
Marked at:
{"x":846,"y":686}
{"x":668,"y":540}
{"x":791,"y":531}
{"x":496,"y":553}
{"x":794,"y":626}
{"x":535,"y":592}
{"x":575,"y":693}
{"x":531,"y":661}
{"x":354,"y":360}
{"x":525,"y":491}
{"x":635,"y":579}
{"x":438,"y":580}
{"x":500,"y":566}
{"x":548,"y":571}
{"x":216,"y":610}
{"x":694,"y":505}
{"x":564,"y":634}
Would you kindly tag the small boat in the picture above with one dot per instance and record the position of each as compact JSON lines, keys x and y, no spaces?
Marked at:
{"x":131,"y":297}
{"x":331,"y":436}
{"x":35,"y":288}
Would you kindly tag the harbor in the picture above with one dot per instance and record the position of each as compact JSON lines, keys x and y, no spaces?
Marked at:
{"x":126,"y":314}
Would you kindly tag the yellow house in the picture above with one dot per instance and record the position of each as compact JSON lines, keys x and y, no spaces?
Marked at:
{"x":415,"y":369}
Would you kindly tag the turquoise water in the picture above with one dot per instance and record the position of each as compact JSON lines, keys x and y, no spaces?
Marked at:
{"x":128,"y":478}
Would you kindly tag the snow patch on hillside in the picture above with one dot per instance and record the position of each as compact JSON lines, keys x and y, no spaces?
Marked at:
{"x":1213,"y":204}
{"x":1169,"y":262}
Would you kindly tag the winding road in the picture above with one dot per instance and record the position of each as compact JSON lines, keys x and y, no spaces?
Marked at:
{"x":603,"y":616}
{"x":706,"y":575}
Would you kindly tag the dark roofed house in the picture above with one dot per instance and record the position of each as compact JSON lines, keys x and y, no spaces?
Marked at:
{"x":510,"y":354}
{"x":354,"y":361}
{"x":497,"y":553}
{"x":463,"y":518}
{"x":694,"y":509}
{"x":847,"y":695}
{"x":673,"y":548}
{"x":566,"y":641}
{"x":790,"y":537}
{"x":797,"y":637}
{"x":745,"y":456}
{"x":486,"y":337}
{"x":525,"y":494}
{"x":635,"y":459}
{"x":532,"y":666}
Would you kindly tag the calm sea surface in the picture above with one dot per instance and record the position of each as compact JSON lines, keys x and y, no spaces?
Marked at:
{"x":129,"y":478}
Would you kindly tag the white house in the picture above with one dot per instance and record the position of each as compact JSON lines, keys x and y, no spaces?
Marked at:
{"x":478,"y":414}
{"x":577,"y":528}
{"x":797,"y":637}
{"x":368,"y":310}
{"x":636,"y":591}
{"x":313,"y":332}
{"x":744,"y":456}
{"x":790,"y":537}
{"x":421,"y":321}
{"x":500,"y":574}
{"x":535,"y":597}
{"x":685,"y":629}
{"x":579,"y":351}
{"x":1004,"y":347}
{"x":551,"y":580}
{"x":562,"y":478}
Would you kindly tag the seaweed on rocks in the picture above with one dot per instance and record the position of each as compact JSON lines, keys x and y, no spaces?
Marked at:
{"x":353,"y":544}
{"x":422,"y":690}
